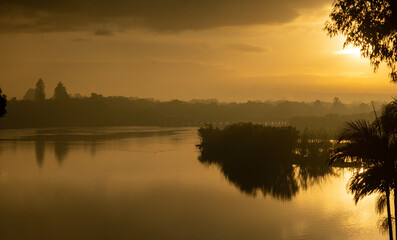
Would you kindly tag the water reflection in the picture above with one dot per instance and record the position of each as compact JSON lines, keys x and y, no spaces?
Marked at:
{"x":154,"y":188}
{"x":250,"y":173}
{"x":61,"y":150}
{"x":273,"y":166}
{"x":39,"y":149}
{"x":311,"y":157}
{"x":62,"y":139}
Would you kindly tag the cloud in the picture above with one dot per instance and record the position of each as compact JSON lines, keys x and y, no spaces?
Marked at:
{"x":240,"y":47}
{"x":156,"y":15}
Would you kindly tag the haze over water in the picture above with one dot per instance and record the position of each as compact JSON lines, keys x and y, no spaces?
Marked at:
{"x":147,"y":183}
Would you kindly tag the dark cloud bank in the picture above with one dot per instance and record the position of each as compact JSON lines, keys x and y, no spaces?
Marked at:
{"x":104,"y":16}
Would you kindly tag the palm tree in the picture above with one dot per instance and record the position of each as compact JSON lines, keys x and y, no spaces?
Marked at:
{"x":370,"y":145}
{"x":388,"y":121}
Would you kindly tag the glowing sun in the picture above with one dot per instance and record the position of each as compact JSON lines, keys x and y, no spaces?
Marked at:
{"x":349,"y":50}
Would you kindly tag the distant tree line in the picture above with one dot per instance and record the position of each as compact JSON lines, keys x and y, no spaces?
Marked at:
{"x":38,"y":94}
{"x":62,"y":109}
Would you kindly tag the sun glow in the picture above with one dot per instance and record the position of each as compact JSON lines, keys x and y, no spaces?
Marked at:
{"x":349,"y":50}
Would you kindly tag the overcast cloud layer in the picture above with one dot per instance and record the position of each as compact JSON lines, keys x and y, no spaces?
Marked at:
{"x":104,"y":16}
{"x":182,"y":49}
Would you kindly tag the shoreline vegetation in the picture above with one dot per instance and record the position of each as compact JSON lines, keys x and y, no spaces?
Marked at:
{"x":286,"y":144}
{"x":276,"y":161}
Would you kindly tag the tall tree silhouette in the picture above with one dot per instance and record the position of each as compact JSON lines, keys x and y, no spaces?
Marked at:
{"x":373,"y":145}
{"x":60,"y":92}
{"x":30,"y":95}
{"x":388,"y":121}
{"x":3,"y":104}
{"x":39,"y":91}
{"x":370,"y":25}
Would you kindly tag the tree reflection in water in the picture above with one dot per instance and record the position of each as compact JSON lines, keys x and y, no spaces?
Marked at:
{"x":40,"y":151}
{"x":275,"y":161}
{"x":63,"y":139}
{"x":61,"y":150}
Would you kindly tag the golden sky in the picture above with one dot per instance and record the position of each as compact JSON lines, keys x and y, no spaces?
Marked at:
{"x":225,"y":49}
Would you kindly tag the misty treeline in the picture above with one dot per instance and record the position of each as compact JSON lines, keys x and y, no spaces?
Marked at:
{"x":63,"y":109}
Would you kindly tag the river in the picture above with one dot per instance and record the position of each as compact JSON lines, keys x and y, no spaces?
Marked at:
{"x":147,"y":183}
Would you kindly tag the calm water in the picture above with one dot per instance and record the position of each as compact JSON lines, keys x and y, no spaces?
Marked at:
{"x":146,"y":183}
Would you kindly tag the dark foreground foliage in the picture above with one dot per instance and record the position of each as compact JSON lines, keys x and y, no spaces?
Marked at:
{"x":374,"y":147}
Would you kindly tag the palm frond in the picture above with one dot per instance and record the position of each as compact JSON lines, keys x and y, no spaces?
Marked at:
{"x":381,"y":202}
{"x":383,"y":225}
{"x":360,"y":141}
{"x":368,"y":182}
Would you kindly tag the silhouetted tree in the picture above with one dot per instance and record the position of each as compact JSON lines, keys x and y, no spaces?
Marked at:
{"x":96,"y":96}
{"x":3,"y":104}
{"x":338,"y":106}
{"x":30,"y":95}
{"x":60,"y":92}
{"x":388,"y":121}
{"x":370,"y":25}
{"x":337,"y":101}
{"x":317,"y":103}
{"x":373,"y":145}
{"x":39,"y":91}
